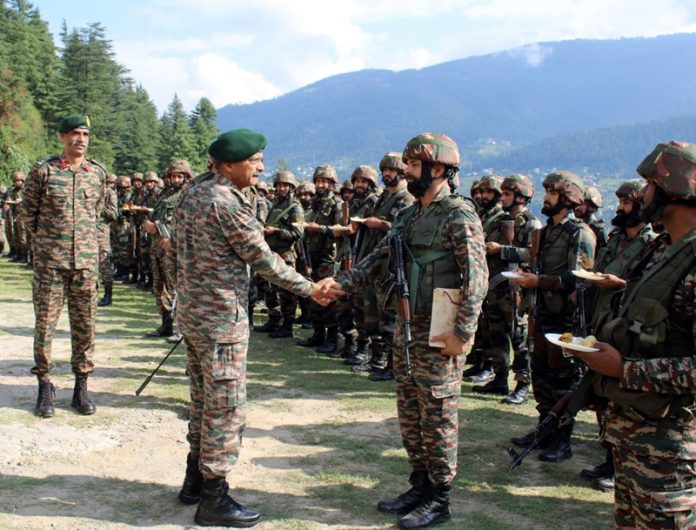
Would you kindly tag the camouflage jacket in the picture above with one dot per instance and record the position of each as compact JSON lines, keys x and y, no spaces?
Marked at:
{"x":326,"y":211}
{"x":601,"y":231}
{"x":61,"y":208}
{"x":525,"y":223}
{"x":351,"y":244}
{"x":492,"y":222}
{"x":462,"y":235}
{"x":284,"y":212}
{"x":110,"y":211}
{"x":217,"y":238}
{"x":163,"y":210}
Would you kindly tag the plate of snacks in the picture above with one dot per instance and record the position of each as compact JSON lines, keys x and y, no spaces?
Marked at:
{"x":588,"y":275}
{"x":566,"y":340}
{"x":511,"y":275}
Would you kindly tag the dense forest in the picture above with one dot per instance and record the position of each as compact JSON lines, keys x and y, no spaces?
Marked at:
{"x":41,"y":82}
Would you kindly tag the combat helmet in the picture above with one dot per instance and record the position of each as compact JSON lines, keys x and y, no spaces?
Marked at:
{"x":366,"y":172}
{"x":18,"y":175}
{"x":491,"y":183}
{"x":593,"y":196}
{"x":111,"y":179}
{"x":137,"y":176}
{"x":325,"y":171}
{"x":150,"y":176}
{"x":568,"y":184}
{"x":261,"y":185}
{"x":347,"y":185}
{"x":179,"y":166}
{"x":285,"y":176}
{"x":475,"y":185}
{"x":520,"y":184}
{"x":434,"y":148}
{"x":672,"y":167}
{"x":393,"y":160}
{"x":124,"y":181}
{"x":306,"y":187}
{"x":630,"y":189}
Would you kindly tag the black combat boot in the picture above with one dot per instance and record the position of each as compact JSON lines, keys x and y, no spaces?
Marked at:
{"x":605,"y":469}
{"x":273,"y":324}
{"x":519,"y":396}
{"x":317,"y":339}
{"x":167,"y":325}
{"x":386,"y":373}
{"x":559,"y":448}
{"x":349,"y":346}
{"x":106,"y":300}
{"x":44,"y":403}
{"x":285,"y":330}
{"x":250,"y":314}
{"x":80,"y":399}
{"x":433,"y":510}
{"x":217,"y":508}
{"x":360,"y":355}
{"x":377,"y":359}
{"x":527,"y":440}
{"x":498,"y":386}
{"x":409,"y":500}
{"x":485,"y":375}
{"x":330,"y":346}
{"x":193,"y":481}
{"x":132,"y":275}
{"x":157,"y":332}
{"x":148,"y":282}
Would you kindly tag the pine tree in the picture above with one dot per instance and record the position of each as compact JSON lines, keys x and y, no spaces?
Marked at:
{"x":204,"y":131}
{"x":139,"y":140}
{"x":176,"y":139}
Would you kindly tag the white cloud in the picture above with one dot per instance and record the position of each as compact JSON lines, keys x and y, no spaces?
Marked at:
{"x":532,"y":54}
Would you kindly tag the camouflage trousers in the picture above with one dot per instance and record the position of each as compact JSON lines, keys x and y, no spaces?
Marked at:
{"x":162,"y":282}
{"x":651,"y":492}
{"x":279,"y":301}
{"x":104,"y":243}
{"x":50,"y":287}
{"x":9,"y":230}
{"x":428,"y":403}
{"x":20,"y":235}
{"x":145,"y":258}
{"x":122,"y":245}
{"x":217,"y":414}
{"x":2,"y":233}
{"x":323,"y":316}
{"x":553,"y":374}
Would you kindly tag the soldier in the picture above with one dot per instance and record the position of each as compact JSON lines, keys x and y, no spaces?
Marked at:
{"x":159,"y":227}
{"x":443,"y":233}
{"x":375,"y":226}
{"x":283,"y":228}
{"x":121,"y":242}
{"x":3,"y":240}
{"x":347,"y":192}
{"x":305,"y":194}
{"x":320,"y":241}
{"x":587,"y":210}
{"x":476,"y":192}
{"x":263,"y":205}
{"x":628,"y":243}
{"x":62,"y":204}
{"x":217,"y":237}
{"x":19,"y":231}
{"x":108,"y":216}
{"x":136,"y":218}
{"x":149,"y":200}
{"x":567,"y":244}
{"x":647,"y":366}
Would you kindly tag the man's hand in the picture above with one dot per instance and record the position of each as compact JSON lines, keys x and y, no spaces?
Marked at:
{"x":312,"y":227}
{"x":326,"y":291}
{"x":453,"y":344}
{"x":373,"y":223}
{"x":493,"y":248}
{"x":606,"y":361}
{"x":149,"y":227}
{"x":611,"y":282}
{"x":267,"y":230}
{"x":528,"y":280}
{"x":343,"y":231}
{"x":165,"y":244}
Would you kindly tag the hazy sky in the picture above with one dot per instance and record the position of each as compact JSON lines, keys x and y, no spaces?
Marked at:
{"x":239,"y":51}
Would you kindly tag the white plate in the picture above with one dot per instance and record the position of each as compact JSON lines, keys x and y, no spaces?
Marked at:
{"x":587,"y":275}
{"x":553,"y":339}
{"x":511,"y":275}
{"x":357,"y":220}
{"x":298,"y":224}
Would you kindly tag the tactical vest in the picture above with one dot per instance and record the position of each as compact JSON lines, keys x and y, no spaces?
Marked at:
{"x":382,"y":210}
{"x":646,"y":329}
{"x":554,"y":251}
{"x":281,"y":216}
{"x":428,"y":263}
{"x":493,"y":232}
{"x":323,"y":212}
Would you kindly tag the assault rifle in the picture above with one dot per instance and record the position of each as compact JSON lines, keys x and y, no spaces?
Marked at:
{"x":582,"y":324}
{"x":149,"y":377}
{"x":533,"y":293}
{"x":514,"y":289}
{"x":396,"y":250}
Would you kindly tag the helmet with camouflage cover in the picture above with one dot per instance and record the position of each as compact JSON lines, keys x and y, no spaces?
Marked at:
{"x":306,"y":187}
{"x":520,"y":184}
{"x":567,"y":184}
{"x":366,"y":172}
{"x":150,"y":176}
{"x":17,"y":175}
{"x":179,"y":166}
{"x":475,"y":185}
{"x":433,"y":148}
{"x":491,"y":183}
{"x":630,"y":189}
{"x":325,"y":171}
{"x":593,"y":196}
{"x":672,"y":167}
{"x":286,"y":177}
{"x":124,"y":181}
{"x":111,"y":179}
{"x":392,"y":160}
{"x":261,"y":185}
{"x":347,"y":185}
{"x":137,"y":176}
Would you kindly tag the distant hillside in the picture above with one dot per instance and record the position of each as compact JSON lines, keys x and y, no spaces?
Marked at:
{"x":513,"y":98}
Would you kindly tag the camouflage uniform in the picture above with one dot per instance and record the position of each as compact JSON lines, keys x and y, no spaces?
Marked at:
{"x":216,"y":237}
{"x":108,"y":216}
{"x":4,"y":244}
{"x":150,"y":198}
{"x":122,"y":239}
{"x":61,"y":208}
{"x":650,"y":419}
{"x":444,"y":247}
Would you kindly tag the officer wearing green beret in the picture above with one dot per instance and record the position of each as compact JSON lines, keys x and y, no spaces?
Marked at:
{"x":63,"y":201}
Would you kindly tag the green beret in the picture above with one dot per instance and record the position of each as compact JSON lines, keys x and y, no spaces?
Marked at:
{"x":73,"y":122}
{"x":236,"y":145}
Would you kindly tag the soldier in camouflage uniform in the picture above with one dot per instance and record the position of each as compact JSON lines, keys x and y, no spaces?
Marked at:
{"x":3,"y":241}
{"x":587,"y":210}
{"x":320,"y":240}
{"x":376,"y":225}
{"x":147,"y":205}
{"x":443,"y":247}
{"x":18,"y":230}
{"x":646,"y":368}
{"x":136,"y":219}
{"x":283,"y":228}
{"x":347,"y":192}
{"x":63,"y":200}
{"x":157,"y":225}
{"x":567,"y":244}
{"x":217,"y":237}
{"x":109,"y":215}
{"x":305,"y":194}
{"x":121,"y":241}
{"x":476,"y":192}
